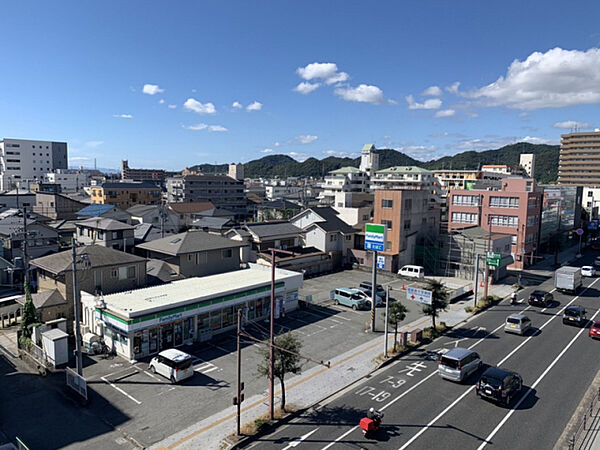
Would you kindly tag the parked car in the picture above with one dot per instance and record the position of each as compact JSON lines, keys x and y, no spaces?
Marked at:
{"x":541,"y":298}
{"x":349,"y":297}
{"x":365,"y":286}
{"x":595,"y":330}
{"x":499,"y":385}
{"x":366,"y":295}
{"x":588,"y":271}
{"x":172,"y":364}
{"x":597,"y":261}
{"x":517,"y":323}
{"x":412,"y":271}
{"x":458,"y":364}
{"x":575,"y":315}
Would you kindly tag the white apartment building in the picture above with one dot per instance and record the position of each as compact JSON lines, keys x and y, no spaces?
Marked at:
{"x":344,"y":179}
{"x":504,"y":169}
{"x":369,"y":160}
{"x":527,"y":162}
{"x":69,"y":180}
{"x":464,"y":179}
{"x":281,"y":189}
{"x":22,"y":159}
{"x":590,"y":200}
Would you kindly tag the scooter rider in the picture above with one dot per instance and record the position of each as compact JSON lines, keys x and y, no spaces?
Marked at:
{"x":375,"y":415}
{"x":513,"y":298}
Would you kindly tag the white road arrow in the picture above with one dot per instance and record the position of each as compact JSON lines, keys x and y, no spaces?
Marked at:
{"x":296,"y":442}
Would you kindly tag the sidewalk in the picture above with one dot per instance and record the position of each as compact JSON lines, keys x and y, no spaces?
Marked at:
{"x":564,"y":257}
{"x":313,"y":385}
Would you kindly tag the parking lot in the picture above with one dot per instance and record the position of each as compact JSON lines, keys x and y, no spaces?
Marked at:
{"x":158,"y":409}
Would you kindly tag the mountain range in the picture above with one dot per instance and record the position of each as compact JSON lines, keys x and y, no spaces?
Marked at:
{"x":546,"y":162}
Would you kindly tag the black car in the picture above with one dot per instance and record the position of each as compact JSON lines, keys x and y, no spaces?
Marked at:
{"x":499,"y":385}
{"x":541,"y":298}
{"x":575,"y":315}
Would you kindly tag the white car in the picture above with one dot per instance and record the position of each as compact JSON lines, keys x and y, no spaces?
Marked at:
{"x":588,"y":271}
{"x":172,"y":364}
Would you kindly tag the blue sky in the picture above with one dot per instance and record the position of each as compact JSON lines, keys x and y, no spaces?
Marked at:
{"x":172,"y":84}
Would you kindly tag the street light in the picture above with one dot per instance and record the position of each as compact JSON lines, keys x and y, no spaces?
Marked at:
{"x":84,"y":259}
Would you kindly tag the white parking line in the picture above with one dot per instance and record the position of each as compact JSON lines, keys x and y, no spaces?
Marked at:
{"x":210,"y":370}
{"x":151,"y":375}
{"x":120,"y":390}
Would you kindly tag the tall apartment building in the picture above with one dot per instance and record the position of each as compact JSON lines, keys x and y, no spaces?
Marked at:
{"x":344,"y":179}
{"x":514,"y":209}
{"x":369,"y":160}
{"x":26,"y":160}
{"x":152,"y":175}
{"x":222,"y":190}
{"x":236,"y":171}
{"x":579,"y":161}
{"x":527,"y":162}
{"x":125,"y":195}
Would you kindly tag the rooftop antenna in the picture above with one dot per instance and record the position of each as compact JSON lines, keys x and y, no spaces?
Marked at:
{"x":95,"y":164}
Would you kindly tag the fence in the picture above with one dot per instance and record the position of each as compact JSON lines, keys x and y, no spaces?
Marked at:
{"x":581,"y":432}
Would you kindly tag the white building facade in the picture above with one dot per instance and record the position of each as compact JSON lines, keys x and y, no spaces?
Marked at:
{"x":69,"y":180}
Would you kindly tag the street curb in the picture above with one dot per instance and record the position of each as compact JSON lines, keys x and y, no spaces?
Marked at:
{"x":265,"y":430}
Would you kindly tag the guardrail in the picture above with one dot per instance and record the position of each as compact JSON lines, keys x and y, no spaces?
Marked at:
{"x":580,"y":434}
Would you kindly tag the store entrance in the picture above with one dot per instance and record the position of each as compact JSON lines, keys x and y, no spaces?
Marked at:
{"x":166,"y":340}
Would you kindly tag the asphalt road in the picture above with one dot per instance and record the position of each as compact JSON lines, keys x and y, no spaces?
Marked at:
{"x":557,"y":363}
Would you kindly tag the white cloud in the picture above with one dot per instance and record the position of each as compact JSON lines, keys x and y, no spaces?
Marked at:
{"x":453,"y":88}
{"x":254,"y":106}
{"x":306,"y":88}
{"x":555,"y":79}
{"x":433,"y":91}
{"x":325,"y":71}
{"x":363,"y":93}
{"x":171,"y":106}
{"x":571,"y":124}
{"x":161,"y":101}
{"x":203,"y":126}
{"x":237,"y":105}
{"x":430,"y":103}
{"x":152,"y":89}
{"x":78,"y":158}
{"x":192,"y":104}
{"x":306,"y":139}
{"x":123,"y":116}
{"x":537,"y":140}
{"x":340,"y":154}
{"x":445,"y":113}
{"x":267,"y":150}
{"x":276,"y":144}
{"x":298,"y":156}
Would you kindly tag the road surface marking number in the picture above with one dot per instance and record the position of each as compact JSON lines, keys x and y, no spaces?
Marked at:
{"x":370,"y":391}
{"x":393,"y":381}
{"x":412,"y":368}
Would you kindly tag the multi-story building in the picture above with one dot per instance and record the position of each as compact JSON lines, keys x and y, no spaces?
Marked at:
{"x":69,"y":180}
{"x":503,"y":169}
{"x":281,"y":189}
{"x":56,"y":206}
{"x":579,"y":161}
{"x":369,"y":160}
{"x":22,"y":160}
{"x":124,"y":195}
{"x":514,"y":209}
{"x":527,"y":162}
{"x":590,"y":201}
{"x":105,"y":232}
{"x":222,"y":190}
{"x":344,"y":179}
{"x":561,"y":213}
{"x":236,"y":171}
{"x":152,"y":175}
{"x":464,"y":179}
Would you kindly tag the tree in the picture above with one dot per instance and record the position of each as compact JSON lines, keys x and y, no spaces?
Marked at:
{"x":439,"y":300}
{"x":396,"y":314}
{"x":28,"y":318}
{"x":286,"y":360}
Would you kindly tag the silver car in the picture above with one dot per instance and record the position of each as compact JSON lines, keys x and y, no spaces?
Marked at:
{"x":517,"y":323}
{"x":458,"y":364}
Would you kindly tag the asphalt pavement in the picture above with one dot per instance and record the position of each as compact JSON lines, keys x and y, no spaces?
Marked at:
{"x":557,"y":363}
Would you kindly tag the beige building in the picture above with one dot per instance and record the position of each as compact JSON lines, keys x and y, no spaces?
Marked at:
{"x":125,"y":195}
{"x":527,"y":162}
{"x":579,"y":161}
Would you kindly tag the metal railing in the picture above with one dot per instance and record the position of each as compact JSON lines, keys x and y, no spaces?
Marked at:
{"x":580,"y":435}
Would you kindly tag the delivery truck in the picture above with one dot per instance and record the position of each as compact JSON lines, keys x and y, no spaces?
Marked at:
{"x":567,"y":279}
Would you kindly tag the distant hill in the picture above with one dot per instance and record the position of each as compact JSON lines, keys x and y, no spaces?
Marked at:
{"x":546,"y":162}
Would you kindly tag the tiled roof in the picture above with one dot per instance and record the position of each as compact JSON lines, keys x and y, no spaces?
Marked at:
{"x":103,"y":223}
{"x":142,"y":185}
{"x":189,"y":242}
{"x":268,"y":229}
{"x":95,"y":210}
{"x":331,"y":222}
{"x":45,"y":299}
{"x":191,"y":207}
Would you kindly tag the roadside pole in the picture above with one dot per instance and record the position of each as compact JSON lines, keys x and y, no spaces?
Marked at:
{"x":240,"y":397}
{"x":373,"y":290}
{"x":476,"y":289}
{"x":385,"y":333}
{"x":76,"y":300}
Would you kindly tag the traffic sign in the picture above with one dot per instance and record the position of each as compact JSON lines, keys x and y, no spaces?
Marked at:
{"x":375,"y":237}
{"x":380,"y":262}
{"x":493,"y":259}
{"x":579,"y":231}
{"x":418,"y":295}
{"x":593,"y":225}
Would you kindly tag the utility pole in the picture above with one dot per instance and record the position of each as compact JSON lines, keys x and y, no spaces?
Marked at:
{"x":84,"y":258}
{"x":237,"y":401}
{"x":487,"y":268}
{"x":373,"y":290}
{"x":476,"y":288}
{"x":25,"y":257}
{"x":385,"y":333}
{"x":272,"y":334}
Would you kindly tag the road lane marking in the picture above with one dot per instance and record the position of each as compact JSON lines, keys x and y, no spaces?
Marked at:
{"x":416,"y":436}
{"x":297,"y":441}
{"x":210,"y":370}
{"x":533,"y":386}
{"x":120,"y":390}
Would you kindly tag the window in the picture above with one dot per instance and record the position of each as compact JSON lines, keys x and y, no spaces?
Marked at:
{"x":460,"y":217}
{"x":126,"y":272}
{"x":589,"y":204}
{"x":504,"y":221}
{"x":465,"y":200}
{"x":332,"y":237}
{"x":513,"y":240}
{"x":407,"y":224}
{"x":190,"y":257}
{"x":387,"y":223}
{"x":531,"y":221}
{"x":504,"y":202}
{"x":590,"y":193}
{"x":387,"y":204}
{"x":114,"y":273}
{"x":528,"y":186}
{"x":131,"y":272}
{"x":348,"y":237}
{"x":529,"y":238}
{"x":408,"y":203}
{"x":226,"y":253}
{"x":532,"y":202}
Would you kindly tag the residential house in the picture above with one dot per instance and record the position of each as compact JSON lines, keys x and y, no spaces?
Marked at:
{"x":17,"y":198}
{"x":105,"y":232}
{"x":195,"y":253}
{"x":156,"y":215}
{"x":57,"y":206}
{"x":216,"y":225}
{"x":49,"y":305}
{"x":280,"y":209}
{"x":105,"y":211}
{"x":187,"y":211}
{"x":42,"y":239}
{"x":265,"y":235}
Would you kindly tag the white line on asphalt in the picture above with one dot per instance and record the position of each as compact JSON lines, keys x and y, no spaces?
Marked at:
{"x":416,"y":436}
{"x":120,"y":390}
{"x":533,"y":386}
{"x":151,"y":375}
{"x":297,"y":441}
{"x":210,"y":370}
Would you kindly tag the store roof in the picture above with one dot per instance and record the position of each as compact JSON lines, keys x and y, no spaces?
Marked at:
{"x":154,"y":299}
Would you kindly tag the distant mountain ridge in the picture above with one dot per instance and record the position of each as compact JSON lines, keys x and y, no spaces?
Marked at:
{"x":546,"y":162}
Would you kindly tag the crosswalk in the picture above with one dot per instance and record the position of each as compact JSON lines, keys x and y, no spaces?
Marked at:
{"x":202,"y":366}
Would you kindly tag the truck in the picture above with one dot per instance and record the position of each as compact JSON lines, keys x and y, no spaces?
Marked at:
{"x":567,"y":279}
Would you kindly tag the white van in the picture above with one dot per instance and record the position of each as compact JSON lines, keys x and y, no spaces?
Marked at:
{"x":172,"y":364}
{"x":412,"y":271}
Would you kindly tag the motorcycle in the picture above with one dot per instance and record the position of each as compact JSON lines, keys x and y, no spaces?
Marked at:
{"x":513,"y":299}
{"x":369,"y":426}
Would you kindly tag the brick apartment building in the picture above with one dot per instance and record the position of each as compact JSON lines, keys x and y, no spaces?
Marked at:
{"x":514,"y":209}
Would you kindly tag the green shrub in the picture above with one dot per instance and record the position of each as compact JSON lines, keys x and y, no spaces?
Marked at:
{"x":259,"y":423}
{"x":469,"y":309}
